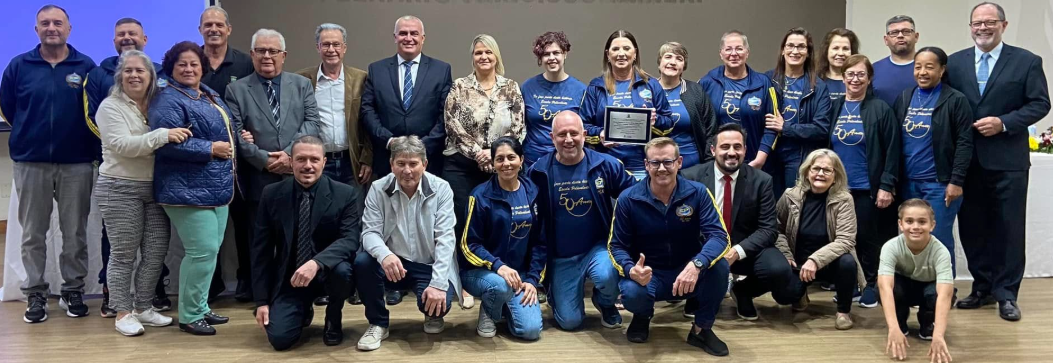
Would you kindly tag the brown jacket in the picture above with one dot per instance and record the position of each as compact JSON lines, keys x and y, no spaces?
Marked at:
{"x":357,"y":139}
{"x":840,"y":224}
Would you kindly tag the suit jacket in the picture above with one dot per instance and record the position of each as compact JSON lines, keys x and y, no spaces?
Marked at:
{"x":335,"y":218}
{"x":754,"y":226}
{"x":1016,"y":92}
{"x":384,"y":117}
{"x":358,"y":143}
{"x":249,"y":109}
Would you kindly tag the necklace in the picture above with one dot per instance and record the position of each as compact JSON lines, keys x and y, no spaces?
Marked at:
{"x":853,"y":112}
{"x":921,"y":102}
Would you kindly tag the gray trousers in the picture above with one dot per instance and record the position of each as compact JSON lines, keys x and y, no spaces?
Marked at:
{"x":37,"y":186}
{"x":136,"y":223}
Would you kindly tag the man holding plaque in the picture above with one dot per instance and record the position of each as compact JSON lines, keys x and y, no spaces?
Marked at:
{"x":576,"y":188}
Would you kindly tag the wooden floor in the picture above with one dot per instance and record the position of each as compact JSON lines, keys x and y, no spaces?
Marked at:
{"x":779,"y":336}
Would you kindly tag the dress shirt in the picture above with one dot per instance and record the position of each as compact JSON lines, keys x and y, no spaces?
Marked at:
{"x":718,"y":195}
{"x":329,"y":93}
{"x":402,"y":73}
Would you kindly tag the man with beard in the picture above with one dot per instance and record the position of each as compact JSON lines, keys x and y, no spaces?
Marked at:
{"x":895,"y":73}
{"x":1007,"y":90}
{"x":745,"y":198}
{"x":675,"y":222}
{"x":128,"y":34}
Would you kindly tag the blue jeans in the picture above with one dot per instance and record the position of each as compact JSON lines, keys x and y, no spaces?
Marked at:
{"x":372,"y":282}
{"x":934,"y":192}
{"x":567,"y":287}
{"x":709,"y":291}
{"x":496,"y":297}
{"x":339,"y":168}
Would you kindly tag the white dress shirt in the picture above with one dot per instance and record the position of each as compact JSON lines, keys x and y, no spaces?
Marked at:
{"x":718,"y":193}
{"x":329,"y":93}
{"x":402,"y":72}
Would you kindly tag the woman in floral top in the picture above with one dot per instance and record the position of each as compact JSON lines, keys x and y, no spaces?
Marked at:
{"x":481,"y":108}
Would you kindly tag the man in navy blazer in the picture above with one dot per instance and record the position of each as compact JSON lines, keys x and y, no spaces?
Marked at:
{"x":1007,"y":90}
{"x":405,"y":95}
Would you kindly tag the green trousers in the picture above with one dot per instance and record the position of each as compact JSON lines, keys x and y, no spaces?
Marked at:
{"x":202,"y":231}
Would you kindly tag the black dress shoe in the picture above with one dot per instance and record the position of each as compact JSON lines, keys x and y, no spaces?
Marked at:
{"x":243,"y":292}
{"x":321,"y":301}
{"x":200,"y":327}
{"x":1009,"y":310}
{"x":332,"y":335}
{"x":393,"y":297}
{"x":975,"y":300}
{"x":354,"y":299}
{"x":639,"y":329}
{"x":214,"y":319}
{"x":308,"y":317}
{"x":708,"y":341}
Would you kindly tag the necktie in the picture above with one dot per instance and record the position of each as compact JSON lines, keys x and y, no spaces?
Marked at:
{"x":407,"y":85}
{"x":304,"y":243}
{"x":272,"y":99}
{"x":726,"y":208}
{"x":983,"y":72}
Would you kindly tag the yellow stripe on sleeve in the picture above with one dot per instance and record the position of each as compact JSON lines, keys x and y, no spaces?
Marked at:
{"x":775,"y":111}
{"x":471,"y":257}
{"x":614,"y":215}
{"x":87,"y":119}
{"x":727,"y":234}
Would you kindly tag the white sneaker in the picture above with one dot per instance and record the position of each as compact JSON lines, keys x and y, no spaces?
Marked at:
{"x":434,"y":325}
{"x":486,"y":327}
{"x":372,"y":338}
{"x":129,"y":326}
{"x":150,"y":317}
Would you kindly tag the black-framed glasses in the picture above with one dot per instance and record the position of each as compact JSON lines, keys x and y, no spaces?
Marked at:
{"x":988,"y":23}
{"x":896,"y":33}
{"x":821,"y":170}
{"x":667,"y":163}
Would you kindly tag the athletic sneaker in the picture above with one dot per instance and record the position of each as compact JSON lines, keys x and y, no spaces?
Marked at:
{"x":434,"y":325}
{"x":855,"y":296}
{"x":129,"y":326}
{"x":372,"y":338}
{"x":869,"y":298}
{"x":149,"y":317}
{"x":73,"y":303}
{"x":105,"y":310}
{"x":486,"y":327}
{"x":925,"y":332}
{"x":37,"y":308}
{"x":609,"y":317}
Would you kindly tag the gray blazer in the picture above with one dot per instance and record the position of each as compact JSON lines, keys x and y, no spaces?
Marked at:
{"x":247,"y":99}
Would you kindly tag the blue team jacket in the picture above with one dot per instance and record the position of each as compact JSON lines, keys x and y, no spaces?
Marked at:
{"x":670,"y":237}
{"x":645,"y":94}
{"x":758,"y":87}
{"x":45,"y":107}
{"x":490,"y":239}
{"x":811,"y":129}
{"x":608,"y":180}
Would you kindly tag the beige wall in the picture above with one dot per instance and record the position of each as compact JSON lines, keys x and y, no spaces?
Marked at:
{"x":451,"y":24}
{"x":944,"y":24}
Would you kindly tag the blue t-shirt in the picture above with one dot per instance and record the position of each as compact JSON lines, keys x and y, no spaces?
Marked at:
{"x":542,"y":101}
{"x":522,"y":219}
{"x":729,"y":110}
{"x":890,"y":79}
{"x":850,"y":144}
{"x":682,"y":133}
{"x":836,"y":87}
{"x":631,"y":155}
{"x":793,"y":91}
{"x":576,"y":220}
{"x":917,"y":135}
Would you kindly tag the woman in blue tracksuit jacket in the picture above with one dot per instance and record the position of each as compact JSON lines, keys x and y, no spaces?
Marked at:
{"x":502,"y":256}
{"x":624,"y":84}
{"x":805,"y":105}
{"x":743,"y":96}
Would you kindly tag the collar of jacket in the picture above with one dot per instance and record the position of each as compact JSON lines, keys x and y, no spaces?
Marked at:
{"x":425,"y":186}
{"x":804,"y":77}
{"x":492,"y":189}
{"x":73,"y":57}
{"x":795,"y":196}
{"x":599,"y":82}
{"x":171,"y":82}
{"x":643,"y":192}
{"x":754,"y":80}
{"x":592,"y":160}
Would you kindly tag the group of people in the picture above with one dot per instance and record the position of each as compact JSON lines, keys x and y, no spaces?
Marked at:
{"x":352,"y":185}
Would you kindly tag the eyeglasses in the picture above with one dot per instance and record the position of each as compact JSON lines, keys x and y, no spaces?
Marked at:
{"x":736,"y":50}
{"x":896,"y":33}
{"x":821,"y":170}
{"x":988,"y":23}
{"x":268,"y":51}
{"x":859,"y":75}
{"x":667,"y":163}
{"x":334,"y":45}
{"x":797,"y":47}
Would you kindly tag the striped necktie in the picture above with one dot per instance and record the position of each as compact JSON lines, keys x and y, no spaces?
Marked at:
{"x":407,"y":85}
{"x":272,"y":99}
{"x":304,"y":242}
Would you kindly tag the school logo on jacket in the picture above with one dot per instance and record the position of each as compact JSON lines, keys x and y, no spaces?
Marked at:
{"x":74,"y":80}
{"x":754,"y":103}
{"x":685,"y":212}
{"x":646,"y":94}
{"x":599,"y":185}
{"x":162,"y":83}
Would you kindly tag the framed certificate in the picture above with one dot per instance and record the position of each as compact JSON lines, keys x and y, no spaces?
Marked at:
{"x":627,"y":125}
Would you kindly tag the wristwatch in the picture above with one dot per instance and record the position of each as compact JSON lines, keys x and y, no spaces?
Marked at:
{"x":698,"y":263}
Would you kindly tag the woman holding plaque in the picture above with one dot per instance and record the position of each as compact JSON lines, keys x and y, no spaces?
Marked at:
{"x":480,"y":108}
{"x":744,"y":97}
{"x":805,"y":109}
{"x":694,"y":119}
{"x":838,"y":45}
{"x":864,"y":135}
{"x":623,"y":84}
{"x":546,"y":94}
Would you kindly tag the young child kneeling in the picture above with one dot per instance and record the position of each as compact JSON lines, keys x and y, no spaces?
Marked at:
{"x":915,"y":270}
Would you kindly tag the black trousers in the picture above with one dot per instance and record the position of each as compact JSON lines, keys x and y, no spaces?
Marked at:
{"x":875,"y":227}
{"x":842,"y":272}
{"x":991,"y":225}
{"x":288,"y":311}
{"x":768,"y":271}
{"x":463,"y":174}
{"x":371,"y":283}
{"x":909,"y":292}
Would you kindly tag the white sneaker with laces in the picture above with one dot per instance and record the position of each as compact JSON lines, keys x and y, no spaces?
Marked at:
{"x":486,"y":327}
{"x":372,"y":338}
{"x":150,"y":317}
{"x":129,"y":326}
{"x":434,"y":325}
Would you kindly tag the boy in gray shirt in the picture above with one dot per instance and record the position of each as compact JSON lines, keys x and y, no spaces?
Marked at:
{"x":915,"y":269}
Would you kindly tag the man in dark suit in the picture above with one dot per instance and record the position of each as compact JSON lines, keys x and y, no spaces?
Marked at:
{"x":747,"y":203}
{"x":276,"y":108}
{"x":405,"y":95}
{"x":307,"y":232}
{"x":1007,"y":90}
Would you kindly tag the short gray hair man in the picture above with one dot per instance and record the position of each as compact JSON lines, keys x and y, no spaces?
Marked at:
{"x":410,"y":146}
{"x":328,"y":26}
{"x":267,"y":33}
{"x":216,"y":8}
